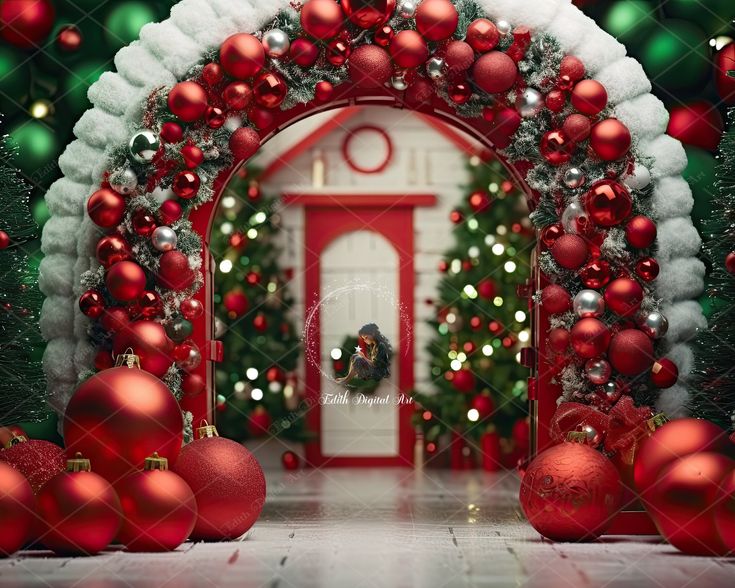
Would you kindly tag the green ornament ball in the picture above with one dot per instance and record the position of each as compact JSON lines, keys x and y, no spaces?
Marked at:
{"x":15,"y":75}
{"x":630,"y":22}
{"x":38,"y":147}
{"x":78,"y":81}
{"x":713,"y":16}
{"x":700,"y":173}
{"x":711,"y":305}
{"x":40,"y":212}
{"x":124,"y":22}
{"x":676,"y":56}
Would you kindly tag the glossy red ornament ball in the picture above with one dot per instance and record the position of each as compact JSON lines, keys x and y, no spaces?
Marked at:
{"x":106,"y":208}
{"x":242,"y":56}
{"x":186,"y":184}
{"x":192,"y":155}
{"x":577,"y":127}
{"x":664,"y":373}
{"x":111,"y":249}
{"x":191,"y":309}
{"x":572,"y":67}
{"x":483,"y":404}
{"x":640,"y":231}
{"x":144,"y":223}
{"x":26,"y":23}
{"x":647,"y":269}
{"x":724,"y":511}
{"x":170,"y":211}
{"x":237,"y":95}
{"x":367,"y":14}
{"x":459,"y":92}
{"x":148,"y":306}
{"x":36,"y":459}
{"x":92,"y":304}
{"x":69,"y":38}
{"x":555,"y":299}
{"x":322,"y":19}
{"x":171,"y":132}
{"x":383,"y":36}
{"x":623,"y":296}
{"x":724,"y":63}
{"x":290,"y":460}
{"x":589,"y":97}
{"x":4,"y":240}
{"x":228,"y":485}
{"x":487,"y":289}
{"x":244,"y":143}
{"x":595,"y":274}
{"x":556,"y":148}
{"x":158,"y":508}
{"x":187,"y":101}
{"x":213,"y":74}
{"x":464,"y":381}
{"x":323,"y":92}
{"x":370,"y":66}
{"x":495,"y":72}
{"x":682,"y":499}
{"x":631,"y":352}
{"x":174,"y":271}
{"x":570,"y":251}
{"x":262,"y":118}
{"x":214,"y":117}
{"x":149,"y":341}
{"x":338,"y":51}
{"x":698,"y":123}
{"x":408,"y":49}
{"x":121,"y":416}
{"x":559,"y":340}
{"x":436,"y":20}
{"x":482,"y":35}
{"x":304,"y":52}
{"x":610,"y":139}
{"x":269,"y":89}
{"x":16,"y":510}
{"x":551,"y":233}
{"x":125,"y":280}
{"x":608,"y":203}
{"x":459,"y":57}
{"x":571,"y":492}
{"x":590,"y":338}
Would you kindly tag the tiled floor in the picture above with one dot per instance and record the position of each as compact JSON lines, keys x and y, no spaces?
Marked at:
{"x":385,"y":528}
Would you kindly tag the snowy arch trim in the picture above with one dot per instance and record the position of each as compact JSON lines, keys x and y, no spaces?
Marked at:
{"x":168,"y":50}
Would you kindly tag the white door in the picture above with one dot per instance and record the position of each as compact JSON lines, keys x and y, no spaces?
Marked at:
{"x":359,"y":284}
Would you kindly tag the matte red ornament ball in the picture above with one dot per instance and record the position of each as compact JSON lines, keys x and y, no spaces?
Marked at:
{"x":172,"y":132}
{"x":572,"y":67}
{"x":608,"y":203}
{"x":556,"y":148}
{"x":577,"y":127}
{"x":322,"y":19}
{"x":259,"y":422}
{"x":664,"y":373}
{"x":242,"y":56}
{"x":17,"y":506}
{"x":244,"y":143}
{"x":188,"y":101}
{"x":36,"y":459}
{"x":323,"y":92}
{"x":495,"y":72}
{"x":408,"y":49}
{"x":570,"y":251}
{"x":115,"y":319}
{"x":92,"y":304}
{"x":236,"y":303}
{"x":631,"y":352}
{"x":464,"y":381}
{"x":647,"y":269}
{"x":623,"y":296}
{"x":370,"y":66}
{"x":559,"y":340}
{"x":106,"y":208}
{"x":269,"y":89}
{"x":698,"y":123}
{"x":290,"y":460}
{"x":149,"y":342}
{"x":459,"y":57}
{"x":640,"y":231}
{"x":589,"y":97}
{"x":237,"y":95}
{"x":555,"y":299}
{"x":192,"y":385}
{"x":724,"y":514}
{"x":419,"y":92}
{"x":590,"y":338}
{"x":186,"y":184}
{"x":436,"y":20}
{"x":262,"y":118}
{"x":610,"y":139}
{"x":26,"y":23}
{"x":487,"y":289}
{"x":174,"y":271}
{"x":170,"y":211}
{"x":125,"y":280}
{"x":212,"y":74}
{"x":482,"y":35}
{"x":304,"y":52}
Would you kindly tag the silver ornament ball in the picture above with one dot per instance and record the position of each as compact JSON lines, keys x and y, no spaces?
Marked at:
{"x":573,"y":215}
{"x":407,"y":8}
{"x":588,"y":303}
{"x":276,"y":43}
{"x":164,"y":238}
{"x":220,"y":328}
{"x":144,"y":145}
{"x":529,"y":102}
{"x":654,"y":324}
{"x":592,"y":437}
{"x":124,"y":181}
{"x":598,"y":371}
{"x":399,"y":83}
{"x":503,"y":27}
{"x":435,"y":68}
{"x":574,"y":178}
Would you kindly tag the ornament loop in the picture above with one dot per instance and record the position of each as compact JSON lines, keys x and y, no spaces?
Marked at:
{"x":155,"y":462}
{"x":128,"y":358}
{"x":206,"y":430}
{"x":78,"y":464}
{"x":15,"y":440}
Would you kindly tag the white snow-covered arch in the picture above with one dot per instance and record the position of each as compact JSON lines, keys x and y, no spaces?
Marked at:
{"x":165,"y":53}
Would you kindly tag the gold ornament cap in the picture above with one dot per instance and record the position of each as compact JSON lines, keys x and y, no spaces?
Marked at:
{"x":15,"y":440}
{"x":78,"y":464}
{"x":128,"y":359}
{"x":206,"y":430}
{"x":656,"y":421}
{"x":577,"y":437}
{"x":155,"y":462}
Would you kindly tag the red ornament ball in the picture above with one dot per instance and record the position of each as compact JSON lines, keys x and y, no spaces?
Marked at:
{"x":572,"y":67}
{"x":647,"y":269}
{"x":459,"y":92}
{"x":570,"y":251}
{"x":290,"y":460}
{"x":242,"y":56}
{"x":464,"y":381}
{"x":338,"y":51}
{"x":187,"y":101}
{"x":436,"y":20}
{"x":408,"y":49}
{"x":589,"y":97}
{"x":556,"y":148}
{"x":595,"y":274}
{"x":631,"y":352}
{"x":682,"y":499}
{"x":148,"y":306}
{"x":323,"y":92}
{"x":571,"y":492}
{"x":37,"y":460}
{"x":191,"y":309}
{"x":730,"y":262}
{"x":551,"y":233}
{"x":212,"y":74}
{"x":624,"y":296}
{"x":125,"y":280}
{"x":483,"y":404}
{"x":459,"y":57}
{"x":259,"y":422}
{"x":559,"y":340}
{"x":244,"y":143}
{"x":724,"y":511}
{"x":237,"y":95}
{"x":260,"y":323}
{"x":270,"y":89}
{"x":236,"y":303}
{"x":482,"y":35}
{"x":555,"y":100}
{"x":590,"y":338}
{"x":192,"y":155}
{"x":608,"y":203}
{"x":143,"y":223}
{"x":111,"y":249}
{"x":106,"y":208}
{"x":610,"y":139}
{"x":479,"y":201}
{"x":370,"y":66}
{"x":321,"y":19}
{"x":149,"y":342}
{"x":174,"y":272}
{"x":228,"y":485}
{"x":724,"y":63}
{"x":555,"y":299}
{"x":495,"y":72}
{"x":26,"y":23}
{"x":698,"y":123}
{"x":418,"y":93}
{"x":383,"y":36}
{"x":4,"y":240}
{"x":171,"y":132}
{"x":170,"y":211}
{"x":664,"y":373}
{"x":368,"y":14}
{"x":640,"y":231}
{"x":487,"y":289}
{"x":576,"y":127}
{"x":92,"y":304}
{"x":115,"y":319}
{"x":159,"y":509}
{"x":214,"y":117}
{"x":192,"y":385}
{"x":186,"y":184}
{"x":69,"y":38}
{"x":16,"y":510}
{"x":304,"y":52}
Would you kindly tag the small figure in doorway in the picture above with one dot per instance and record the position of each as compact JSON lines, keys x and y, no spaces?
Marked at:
{"x":375,"y":365}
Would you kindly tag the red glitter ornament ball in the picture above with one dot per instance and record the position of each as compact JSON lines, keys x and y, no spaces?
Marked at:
{"x":408,"y":49}
{"x":572,"y":67}
{"x":482,"y":35}
{"x":270,"y":89}
{"x":106,"y":208}
{"x":36,"y":459}
{"x":570,"y":251}
{"x":17,"y":506}
{"x":589,"y":97}
{"x":322,"y":19}
{"x":125,"y":280}
{"x":187,"y":101}
{"x":436,"y":20}
{"x":664,"y":373}
{"x":555,"y":101}
{"x":631,"y":352}
{"x":111,"y":249}
{"x":149,"y":342}
{"x":244,"y":143}
{"x":186,"y":184}
{"x":555,"y":299}
{"x":242,"y":56}
{"x":495,"y":72}
{"x":556,"y":148}
{"x":577,"y":127}
{"x":610,"y":139}
{"x":370,"y":66}
{"x":571,"y":492}
{"x":459,"y":57}
{"x":174,"y":271}
{"x":590,"y":338}
{"x":624,"y":296}
{"x":608,"y":203}
{"x":290,"y":460}
{"x":640,"y":231}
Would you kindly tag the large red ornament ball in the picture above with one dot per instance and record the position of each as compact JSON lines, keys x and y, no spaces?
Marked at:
{"x":26,"y":23}
{"x":159,"y":509}
{"x":436,"y":20}
{"x":610,"y":139}
{"x":495,"y":72}
{"x":624,"y":296}
{"x":724,"y":63}
{"x":555,"y":147}
{"x":487,"y":289}
{"x":149,"y":342}
{"x":111,"y":249}
{"x":367,"y":14}
{"x":321,"y":19}
{"x":174,"y":271}
{"x":631,"y":352}
{"x":79,"y":513}
{"x":682,"y":500}
{"x":187,"y":101}
{"x":16,"y":510}
{"x":125,"y":280}
{"x":590,"y":338}
{"x":242,"y":56}
{"x":269,"y":89}
{"x":589,"y":97}
{"x":608,"y":203}
{"x":482,"y":35}
{"x":370,"y":66}
{"x":228,"y":485}
{"x":699,"y":124}
{"x":106,"y":208}
{"x":555,"y":299}
{"x":36,"y":459}
{"x":725,"y":511}
{"x":244,"y":143}
{"x":464,"y":381}
{"x":121,"y":416}
{"x":570,"y":251}
{"x":571,"y":492}
{"x":290,"y":460}
{"x":408,"y":49}
{"x":664,"y":373}
{"x":640,"y":231}
{"x":459,"y":57}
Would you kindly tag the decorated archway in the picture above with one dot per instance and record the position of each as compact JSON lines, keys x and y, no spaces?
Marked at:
{"x":536,"y":81}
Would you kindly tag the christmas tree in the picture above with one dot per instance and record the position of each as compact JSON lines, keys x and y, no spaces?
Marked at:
{"x":481,"y":324}
{"x":256,"y":386}
{"x":23,"y":389}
